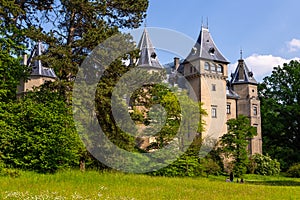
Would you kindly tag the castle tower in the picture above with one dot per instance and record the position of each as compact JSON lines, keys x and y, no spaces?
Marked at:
{"x":245,"y":85}
{"x":206,"y":70}
{"x":148,"y":58}
{"x":39,"y":74}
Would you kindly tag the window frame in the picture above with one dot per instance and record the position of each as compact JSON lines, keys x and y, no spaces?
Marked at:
{"x":228,"y":108}
{"x":214,"y":112}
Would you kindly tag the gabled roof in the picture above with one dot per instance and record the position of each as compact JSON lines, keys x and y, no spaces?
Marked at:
{"x":37,"y":68}
{"x":205,"y":48}
{"x":148,"y":57}
{"x":242,"y":74}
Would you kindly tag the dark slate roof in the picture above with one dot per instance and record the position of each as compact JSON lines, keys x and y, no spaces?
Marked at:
{"x":37,"y":68}
{"x":242,"y":74}
{"x":205,"y":48}
{"x":231,"y":94}
{"x":148,"y":57}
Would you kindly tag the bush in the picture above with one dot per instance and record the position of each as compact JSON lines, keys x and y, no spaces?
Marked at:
{"x":264,"y":165}
{"x":294,"y":171}
{"x":210,"y":167}
{"x":183,"y":166}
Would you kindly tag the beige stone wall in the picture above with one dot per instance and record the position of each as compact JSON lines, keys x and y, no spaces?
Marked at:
{"x":249,"y":105}
{"x":232,"y":114}
{"x":34,"y":81}
{"x":210,"y":87}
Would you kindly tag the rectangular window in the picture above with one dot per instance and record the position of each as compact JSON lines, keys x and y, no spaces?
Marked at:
{"x":214,"y":112}
{"x":228,"y":109}
{"x":213,"y":87}
{"x":220,"y":69}
{"x":255,"y":110}
{"x":206,"y":66}
{"x":191,"y":69}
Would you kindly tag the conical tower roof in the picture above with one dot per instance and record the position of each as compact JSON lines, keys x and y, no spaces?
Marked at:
{"x":242,"y":74}
{"x":205,"y":48}
{"x":148,"y":57}
{"x":37,"y":68}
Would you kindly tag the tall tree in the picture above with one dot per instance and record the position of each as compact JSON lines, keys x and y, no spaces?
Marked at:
{"x":71,"y":28}
{"x":11,"y":68}
{"x":280,"y":108}
{"x":235,"y":141}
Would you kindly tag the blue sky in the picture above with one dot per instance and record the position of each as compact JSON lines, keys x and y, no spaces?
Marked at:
{"x":267,"y":31}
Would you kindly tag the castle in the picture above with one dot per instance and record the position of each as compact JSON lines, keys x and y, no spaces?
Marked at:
{"x":206,"y":70}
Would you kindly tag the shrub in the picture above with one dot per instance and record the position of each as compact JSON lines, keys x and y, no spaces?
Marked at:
{"x":210,"y":167}
{"x":294,"y":171}
{"x":264,"y":165}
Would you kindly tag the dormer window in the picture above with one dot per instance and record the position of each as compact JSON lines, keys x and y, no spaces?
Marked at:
{"x":194,"y":50}
{"x":211,"y":51}
{"x":153,"y":55}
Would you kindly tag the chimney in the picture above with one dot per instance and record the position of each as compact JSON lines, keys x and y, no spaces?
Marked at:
{"x":176,"y":63}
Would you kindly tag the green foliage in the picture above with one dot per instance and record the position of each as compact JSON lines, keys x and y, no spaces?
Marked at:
{"x":235,"y":141}
{"x":210,"y":167}
{"x":264,"y":165}
{"x":280,"y":108}
{"x":11,"y":71}
{"x":294,"y":171}
{"x":71,"y":28}
{"x":37,"y":133}
{"x":186,"y":165}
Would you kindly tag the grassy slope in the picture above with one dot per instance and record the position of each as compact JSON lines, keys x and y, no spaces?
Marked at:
{"x":92,"y":185}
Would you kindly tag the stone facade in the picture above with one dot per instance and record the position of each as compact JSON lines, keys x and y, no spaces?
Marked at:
{"x":39,"y":74}
{"x":206,"y":69}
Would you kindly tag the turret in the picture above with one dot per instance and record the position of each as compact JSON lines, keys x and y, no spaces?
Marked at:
{"x":39,"y":74}
{"x":245,"y":85}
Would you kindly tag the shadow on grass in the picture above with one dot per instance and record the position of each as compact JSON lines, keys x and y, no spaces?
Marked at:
{"x":275,"y":183}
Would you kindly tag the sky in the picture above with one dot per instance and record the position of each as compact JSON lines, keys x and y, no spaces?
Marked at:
{"x":267,"y":31}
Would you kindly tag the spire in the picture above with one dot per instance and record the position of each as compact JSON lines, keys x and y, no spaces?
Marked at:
{"x":242,"y":74}
{"x":205,"y":48}
{"x":148,"y":56}
{"x":37,"y":68}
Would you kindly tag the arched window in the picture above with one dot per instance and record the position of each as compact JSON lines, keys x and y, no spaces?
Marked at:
{"x":213,"y":68}
{"x":206,"y":66}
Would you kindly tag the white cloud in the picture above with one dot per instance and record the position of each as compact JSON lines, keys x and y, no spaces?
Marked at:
{"x":294,"y":45}
{"x":262,"y":65}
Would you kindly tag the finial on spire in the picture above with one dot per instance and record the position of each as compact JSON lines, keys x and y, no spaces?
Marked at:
{"x":145,"y":23}
{"x":241,"y":52}
{"x":207,"y":22}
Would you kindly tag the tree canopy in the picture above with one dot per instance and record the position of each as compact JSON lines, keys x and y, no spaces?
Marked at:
{"x":235,"y":141}
{"x":33,"y":125}
{"x":280,"y":108}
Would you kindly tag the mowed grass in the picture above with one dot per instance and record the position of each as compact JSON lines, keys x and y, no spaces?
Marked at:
{"x":95,"y":185}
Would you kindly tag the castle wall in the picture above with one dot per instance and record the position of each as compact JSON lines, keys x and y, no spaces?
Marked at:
{"x":233,"y":109}
{"x":249,"y":105}
{"x":34,"y":81}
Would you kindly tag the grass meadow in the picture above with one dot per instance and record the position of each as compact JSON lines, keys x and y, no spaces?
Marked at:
{"x":95,"y":185}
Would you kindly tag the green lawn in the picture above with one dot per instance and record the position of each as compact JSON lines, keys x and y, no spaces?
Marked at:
{"x":95,"y":185}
